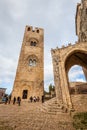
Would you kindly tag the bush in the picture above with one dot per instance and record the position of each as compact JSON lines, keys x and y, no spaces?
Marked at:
{"x":80,"y":121}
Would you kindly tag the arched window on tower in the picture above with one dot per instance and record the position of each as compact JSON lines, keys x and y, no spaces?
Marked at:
{"x":33,"y":43}
{"x":32,"y":62}
{"x":28,"y":29}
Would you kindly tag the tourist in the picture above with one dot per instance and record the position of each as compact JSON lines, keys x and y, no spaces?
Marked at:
{"x":38,"y":99}
{"x":34,"y":99}
{"x":42,"y":98}
{"x":6,"y":100}
{"x":14,"y":100}
{"x":31,"y":98}
{"x":19,"y":101}
{"x":9,"y":99}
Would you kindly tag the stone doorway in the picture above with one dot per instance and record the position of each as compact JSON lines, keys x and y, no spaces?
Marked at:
{"x":25,"y":93}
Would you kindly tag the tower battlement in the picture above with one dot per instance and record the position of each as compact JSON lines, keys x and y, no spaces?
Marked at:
{"x":34,"y":29}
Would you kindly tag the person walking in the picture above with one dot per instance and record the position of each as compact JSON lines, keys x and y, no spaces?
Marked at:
{"x":42,"y":98}
{"x":9,"y":99}
{"x":31,"y":98}
{"x":14,"y":100}
{"x":6,"y":99}
{"x":19,"y":101}
{"x":34,"y":98}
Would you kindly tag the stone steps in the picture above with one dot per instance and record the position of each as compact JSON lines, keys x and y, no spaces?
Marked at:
{"x":79,"y":102}
{"x":29,"y":117}
{"x":52,"y":107}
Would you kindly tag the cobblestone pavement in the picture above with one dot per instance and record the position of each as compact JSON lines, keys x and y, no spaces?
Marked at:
{"x":29,"y":117}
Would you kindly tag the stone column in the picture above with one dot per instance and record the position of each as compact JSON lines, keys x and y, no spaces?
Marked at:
{"x":61,"y":74}
{"x":57,"y":80}
{"x":65,"y":87}
{"x":85,"y":72}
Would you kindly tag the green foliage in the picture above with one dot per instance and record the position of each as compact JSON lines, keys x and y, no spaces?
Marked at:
{"x":45,"y":92}
{"x":3,"y":126}
{"x":80,"y":121}
{"x":51,"y":88}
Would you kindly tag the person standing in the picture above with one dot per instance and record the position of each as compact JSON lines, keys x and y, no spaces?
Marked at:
{"x":14,"y":100}
{"x":9,"y":99}
{"x":42,"y":98}
{"x":38,"y":99}
{"x":19,"y":101}
{"x":34,"y":99}
{"x":31,"y":98}
{"x":6,"y":99}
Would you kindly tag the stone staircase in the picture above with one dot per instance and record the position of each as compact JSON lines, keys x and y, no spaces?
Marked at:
{"x":52,"y":107}
{"x":28,"y":117}
{"x":79,"y":102}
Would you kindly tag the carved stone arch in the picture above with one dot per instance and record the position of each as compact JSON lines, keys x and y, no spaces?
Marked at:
{"x":78,"y":53}
{"x":67,"y":57}
{"x":73,"y":50}
{"x":34,"y":59}
{"x":74,"y":57}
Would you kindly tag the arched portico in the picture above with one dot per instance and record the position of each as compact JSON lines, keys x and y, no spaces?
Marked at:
{"x":63,"y":60}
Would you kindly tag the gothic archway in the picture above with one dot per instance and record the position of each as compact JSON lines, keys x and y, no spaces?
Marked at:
{"x":76,"y":58}
{"x":77,"y":80}
{"x":63,"y":59}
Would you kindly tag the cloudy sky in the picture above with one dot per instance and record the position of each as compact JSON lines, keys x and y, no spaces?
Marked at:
{"x":57,"y":18}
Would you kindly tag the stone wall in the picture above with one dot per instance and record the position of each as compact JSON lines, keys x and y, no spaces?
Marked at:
{"x":81,"y":21}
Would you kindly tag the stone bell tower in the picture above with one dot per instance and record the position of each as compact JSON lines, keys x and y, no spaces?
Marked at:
{"x":29,"y":80}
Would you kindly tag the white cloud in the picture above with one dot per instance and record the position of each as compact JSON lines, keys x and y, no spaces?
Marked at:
{"x":80,"y":80}
{"x":76,"y":74}
{"x":7,"y":70}
{"x":57,"y":19}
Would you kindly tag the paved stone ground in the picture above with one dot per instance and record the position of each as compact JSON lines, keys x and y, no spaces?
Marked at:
{"x":29,"y":117}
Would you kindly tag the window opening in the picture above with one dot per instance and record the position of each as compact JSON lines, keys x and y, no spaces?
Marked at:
{"x":37,"y":31}
{"x":33,"y":43}
{"x":32,"y":62}
{"x":28,"y":29}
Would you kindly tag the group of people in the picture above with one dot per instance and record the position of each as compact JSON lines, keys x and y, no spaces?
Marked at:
{"x":7,"y":99}
{"x":36,"y":99}
{"x":18,"y":100}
